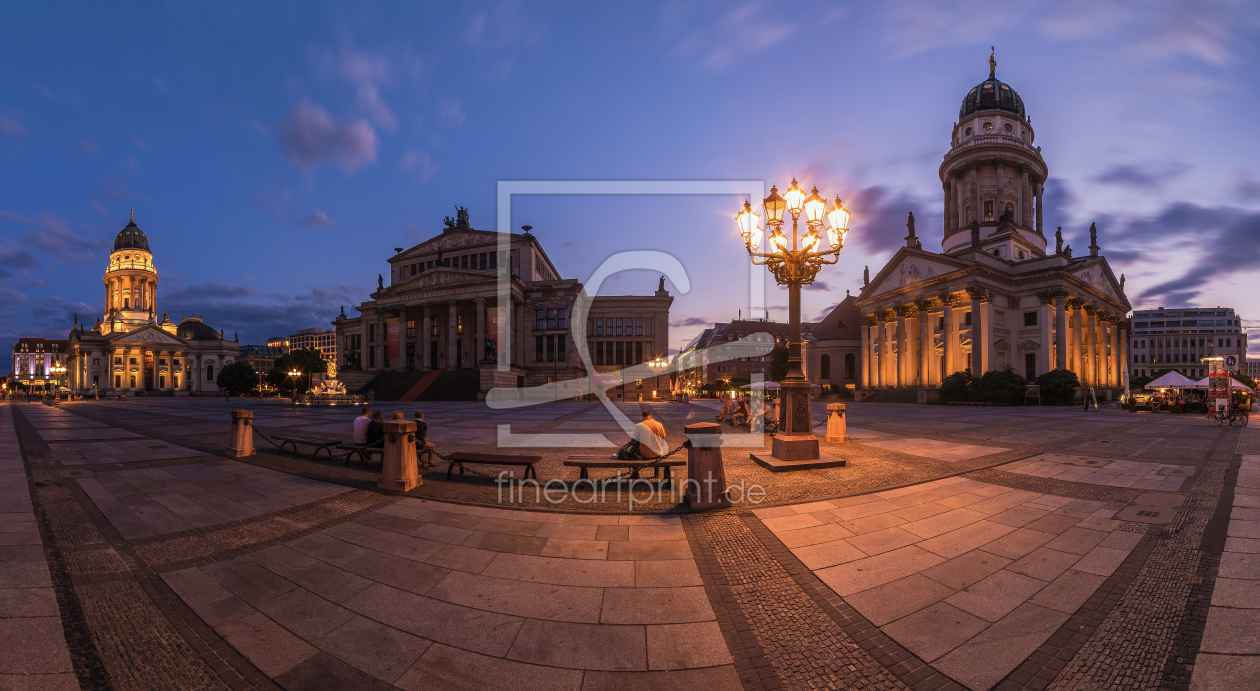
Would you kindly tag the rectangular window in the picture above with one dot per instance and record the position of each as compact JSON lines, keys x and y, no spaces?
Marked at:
{"x":638,"y":383}
{"x":988,"y":211}
{"x":967,"y":319}
{"x":599,"y":353}
{"x":494,"y":256}
{"x":538,"y":348}
{"x":551,"y":319}
{"x":1030,"y":318}
{"x":133,"y":361}
{"x":1227,"y":342}
{"x":560,"y":354}
{"x":551,"y":349}
{"x":599,"y":327}
{"x":371,"y":335}
{"x":161,"y":361}
{"x":621,"y":353}
{"x":638,"y":353}
{"x":459,"y":324}
{"x":96,"y":361}
{"x":463,"y":262}
{"x":638,"y":326}
{"x":411,"y":328}
{"x":560,"y":319}
{"x":618,"y":328}
{"x":482,"y":258}
{"x":540,"y":320}
{"x":940,"y":323}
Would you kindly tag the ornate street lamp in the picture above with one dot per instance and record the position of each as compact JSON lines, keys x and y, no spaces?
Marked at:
{"x":293,"y":375}
{"x":657,"y":365}
{"x":794,"y":261}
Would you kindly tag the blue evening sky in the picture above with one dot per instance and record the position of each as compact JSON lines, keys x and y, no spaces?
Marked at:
{"x":276,"y":152}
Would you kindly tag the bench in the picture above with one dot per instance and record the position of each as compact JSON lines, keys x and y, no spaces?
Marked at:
{"x":585,"y":463}
{"x":320,"y":443}
{"x":461,"y":459}
{"x":971,"y":403}
{"x":363,"y":451}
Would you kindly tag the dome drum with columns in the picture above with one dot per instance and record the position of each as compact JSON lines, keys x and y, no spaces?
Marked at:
{"x":128,"y":349}
{"x":995,"y":296}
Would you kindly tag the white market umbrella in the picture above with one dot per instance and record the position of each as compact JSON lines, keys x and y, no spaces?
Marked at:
{"x":1234,"y":384}
{"x":761,"y":385}
{"x":1172,"y":380}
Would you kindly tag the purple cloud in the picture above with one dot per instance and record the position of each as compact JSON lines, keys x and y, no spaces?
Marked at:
{"x":310,"y":138}
{"x":315,"y":219}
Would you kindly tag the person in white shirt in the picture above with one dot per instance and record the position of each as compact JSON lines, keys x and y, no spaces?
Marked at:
{"x":361,"y":425}
{"x":651,"y":436}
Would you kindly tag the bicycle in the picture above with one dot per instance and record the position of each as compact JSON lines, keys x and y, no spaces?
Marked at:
{"x":1238,"y":418}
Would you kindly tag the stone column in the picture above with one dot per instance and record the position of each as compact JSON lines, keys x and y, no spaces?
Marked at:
{"x":1045,"y":360}
{"x":1077,"y":328}
{"x":426,"y":337}
{"x":949,"y":335}
{"x":1123,"y":338}
{"x":1114,"y":327}
{"x":479,"y":342}
{"x":452,"y":333}
{"x":959,"y":221}
{"x":1090,"y":351}
{"x":945,"y":187}
{"x":976,"y":213}
{"x":979,"y":346}
{"x":866,"y":352}
{"x":1041,"y":188}
{"x":379,"y":346}
{"x":402,"y":338}
{"x":878,"y":369}
{"x":925,"y":343}
{"x":518,"y":333}
{"x":999,"y":199}
{"x":903,"y":349}
{"x":1022,"y":213}
{"x":1060,"y":331}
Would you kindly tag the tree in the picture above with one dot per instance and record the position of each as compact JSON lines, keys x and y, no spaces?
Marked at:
{"x":308,"y":361}
{"x":1139,"y":382}
{"x":1058,"y":387}
{"x":1245,"y":380}
{"x":1003,"y":387}
{"x":778,"y":363}
{"x":237,"y":378}
{"x":959,"y":386}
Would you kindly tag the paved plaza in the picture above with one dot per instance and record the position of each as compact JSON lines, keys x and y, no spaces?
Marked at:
{"x":959,"y":548}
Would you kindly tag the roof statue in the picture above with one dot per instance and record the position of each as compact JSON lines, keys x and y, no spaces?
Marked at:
{"x":460,"y":220}
{"x":1007,"y":218}
{"x":1068,"y":251}
{"x":1058,"y":241}
{"x":380,"y":282}
{"x":343,"y":310}
{"x":866,"y":276}
{"x":661,"y":285}
{"x":1093,"y":239}
{"x":1121,"y":282}
{"x":911,"y":240}
{"x":992,"y":63}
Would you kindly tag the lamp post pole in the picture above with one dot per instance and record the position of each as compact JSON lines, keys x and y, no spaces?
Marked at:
{"x":794,"y":261}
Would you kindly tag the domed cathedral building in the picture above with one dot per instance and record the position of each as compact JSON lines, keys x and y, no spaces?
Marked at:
{"x":128,"y":349}
{"x":996,"y":295}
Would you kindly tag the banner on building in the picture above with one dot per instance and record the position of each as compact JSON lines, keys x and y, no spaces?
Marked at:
{"x":391,"y":338}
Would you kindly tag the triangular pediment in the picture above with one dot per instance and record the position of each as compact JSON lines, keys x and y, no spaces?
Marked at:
{"x":440,"y":276}
{"x":1098,"y":276}
{"x":457,"y":240}
{"x":909,"y":267}
{"x":146,"y":334}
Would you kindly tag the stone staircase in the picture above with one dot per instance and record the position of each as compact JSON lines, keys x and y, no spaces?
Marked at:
{"x":894,"y":396}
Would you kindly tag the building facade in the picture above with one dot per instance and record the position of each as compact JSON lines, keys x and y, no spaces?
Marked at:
{"x":715,"y":355}
{"x":442,"y":310}
{"x":35,"y":361}
{"x":278,"y":342}
{"x":833,"y":356}
{"x":1253,"y":370}
{"x":128,"y":349}
{"x":1179,"y":338}
{"x":995,"y":296}
{"x":323,"y":340}
{"x":262,"y":358}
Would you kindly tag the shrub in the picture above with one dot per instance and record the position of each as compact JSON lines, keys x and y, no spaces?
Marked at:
{"x":1002,"y":387}
{"x":1058,"y":387}
{"x":959,"y":386}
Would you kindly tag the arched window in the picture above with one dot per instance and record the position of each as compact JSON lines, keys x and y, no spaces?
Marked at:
{"x":850,"y":366}
{"x":209,"y":372}
{"x":825,"y":367}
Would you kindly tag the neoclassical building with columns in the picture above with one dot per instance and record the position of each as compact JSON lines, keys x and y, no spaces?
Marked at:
{"x":129,"y":349}
{"x":996,"y":295}
{"x":440,"y":311}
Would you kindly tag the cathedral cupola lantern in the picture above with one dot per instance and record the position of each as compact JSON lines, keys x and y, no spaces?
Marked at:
{"x":130,"y":280}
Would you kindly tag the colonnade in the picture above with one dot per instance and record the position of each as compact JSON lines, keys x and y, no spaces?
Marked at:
{"x":439,"y":323}
{"x":917,"y":344}
{"x":963,"y":198}
{"x":141,"y":293}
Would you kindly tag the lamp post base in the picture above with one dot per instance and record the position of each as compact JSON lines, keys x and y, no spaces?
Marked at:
{"x":794,"y":447}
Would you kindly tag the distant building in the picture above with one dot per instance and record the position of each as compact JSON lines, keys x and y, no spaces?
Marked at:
{"x":279,"y":342}
{"x":262,"y":358}
{"x":323,"y":340}
{"x":834,"y":355}
{"x":33,"y":360}
{"x":697,"y":365}
{"x":1253,"y":369}
{"x":1179,"y":338}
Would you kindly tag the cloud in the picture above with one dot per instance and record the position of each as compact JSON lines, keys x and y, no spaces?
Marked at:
{"x":1245,"y":186}
{"x":273,"y":200}
{"x":51,"y":234}
{"x":501,"y":33}
{"x":718,"y":35}
{"x":691,"y":321}
{"x":236,"y":308}
{"x":86,"y":146}
{"x":315,"y":219}
{"x":1147,"y":177}
{"x":452,"y":111}
{"x":1226,"y":240}
{"x":826,"y":311}
{"x":113,"y":189}
{"x":10,"y":125}
{"x":879,"y":218}
{"x":417,"y":162}
{"x":817,"y":285}
{"x":310,"y":138}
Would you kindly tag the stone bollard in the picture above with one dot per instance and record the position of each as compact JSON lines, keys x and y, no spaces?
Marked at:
{"x":242,"y":442}
{"x":706,"y":478}
{"x":837,"y":429}
{"x":398,"y":461}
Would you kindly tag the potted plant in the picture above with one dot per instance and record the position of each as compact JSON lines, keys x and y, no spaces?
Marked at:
{"x":1132,"y":404}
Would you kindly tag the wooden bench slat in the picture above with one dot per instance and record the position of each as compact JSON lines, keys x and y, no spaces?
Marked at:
{"x":622,"y":464}
{"x":492,"y":459}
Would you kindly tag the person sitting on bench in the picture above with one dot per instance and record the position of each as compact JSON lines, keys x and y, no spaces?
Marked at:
{"x":651,"y":437}
{"x":361,"y":425}
{"x":424,"y":448}
{"x":376,"y":430}
{"x":740,"y":417}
